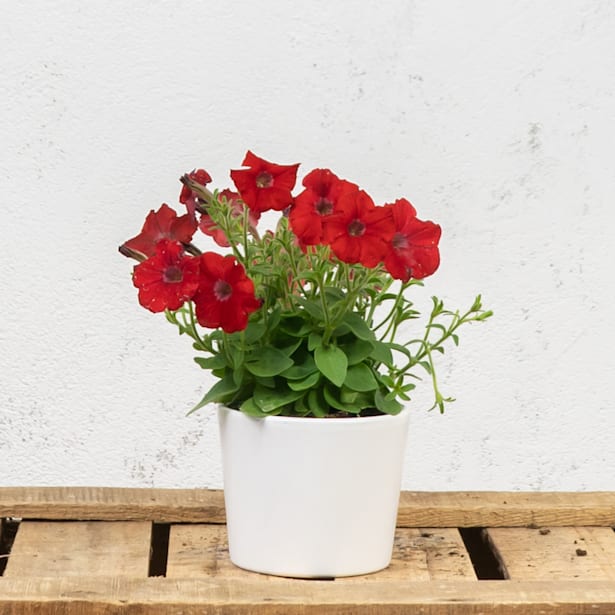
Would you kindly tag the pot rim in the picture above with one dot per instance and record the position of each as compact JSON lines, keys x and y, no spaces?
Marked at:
{"x":313,"y":419}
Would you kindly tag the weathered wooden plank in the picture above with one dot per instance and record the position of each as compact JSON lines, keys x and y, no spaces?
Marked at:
{"x":558,"y":553}
{"x":64,"y":549}
{"x":198,"y":550}
{"x":418,"y":555}
{"x":445,"y":554}
{"x":505,"y":509}
{"x":211,"y":596}
{"x":113,"y":504}
{"x":417,"y":509}
{"x":428,"y":554}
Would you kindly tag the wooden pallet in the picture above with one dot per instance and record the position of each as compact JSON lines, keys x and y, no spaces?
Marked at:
{"x":103,"y":551}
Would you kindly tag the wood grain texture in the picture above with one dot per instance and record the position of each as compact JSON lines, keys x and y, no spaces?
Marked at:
{"x":417,"y":509}
{"x":113,"y":504}
{"x":559,"y":553}
{"x":97,"y":548}
{"x":505,"y":509}
{"x":427,"y":554}
{"x":418,"y":555}
{"x":200,"y":550}
{"x":210,"y":596}
{"x":430,"y":574}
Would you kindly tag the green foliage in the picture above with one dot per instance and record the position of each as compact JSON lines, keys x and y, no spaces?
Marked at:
{"x":327,"y":339}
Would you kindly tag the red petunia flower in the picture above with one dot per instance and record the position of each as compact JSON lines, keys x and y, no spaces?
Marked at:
{"x":225,"y":296}
{"x":313,"y":207}
{"x":190,"y":198}
{"x":167,"y":279}
{"x":264,"y":185}
{"x":413,"y":250}
{"x":161,"y":224}
{"x":358,"y":231}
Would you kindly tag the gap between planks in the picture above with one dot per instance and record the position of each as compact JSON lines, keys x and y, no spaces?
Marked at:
{"x":416,"y":509}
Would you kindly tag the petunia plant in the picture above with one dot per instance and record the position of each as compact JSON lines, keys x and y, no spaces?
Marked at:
{"x":309,"y":319}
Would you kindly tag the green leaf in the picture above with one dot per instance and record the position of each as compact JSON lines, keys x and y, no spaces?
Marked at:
{"x":484,"y":315}
{"x":358,"y":326}
{"x":251,"y":409}
{"x":347,"y":396}
{"x":426,"y":366}
{"x":314,"y":341}
{"x":296,"y":327}
{"x":341,"y":403}
{"x":332,"y":363}
{"x":358,"y":350}
{"x":238,"y":358}
{"x":268,"y":361}
{"x":382,"y":353}
{"x":299,"y":372}
{"x":215,"y":362}
{"x":311,"y":307}
{"x":388,"y":406}
{"x":253,"y":332}
{"x":300,"y":408}
{"x":317,"y":404}
{"x":307,"y":383}
{"x":221,"y":392}
{"x":269,"y":400}
{"x":332,"y":400}
{"x":435,"y":325}
{"x":269,"y":381}
{"x":290,"y":349}
{"x":334,"y":294}
{"x":360,"y":378}
{"x":238,"y":376}
{"x":386,"y":380}
{"x":400,"y":348}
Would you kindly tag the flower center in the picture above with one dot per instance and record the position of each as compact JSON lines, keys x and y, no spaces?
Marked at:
{"x":356,"y":228}
{"x":264,"y":180}
{"x":173,"y":275}
{"x":222,"y":290}
{"x":323,"y":206}
{"x":400,"y":241}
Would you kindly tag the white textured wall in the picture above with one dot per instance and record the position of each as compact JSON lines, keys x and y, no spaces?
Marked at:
{"x":497,"y":119}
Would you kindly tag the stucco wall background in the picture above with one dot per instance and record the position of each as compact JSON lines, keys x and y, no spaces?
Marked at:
{"x":496,"y":120}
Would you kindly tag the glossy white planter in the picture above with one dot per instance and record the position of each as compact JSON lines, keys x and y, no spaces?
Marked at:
{"x":309,"y":497}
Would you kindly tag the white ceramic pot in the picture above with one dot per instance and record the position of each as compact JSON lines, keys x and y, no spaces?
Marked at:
{"x":312,"y":498}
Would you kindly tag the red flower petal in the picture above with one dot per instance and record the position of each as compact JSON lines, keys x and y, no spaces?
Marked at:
{"x":413,"y":250}
{"x":167,"y":279}
{"x":314,"y":206}
{"x":359,"y":232}
{"x":265,"y":185}
{"x":162,"y":224}
{"x":225,"y":297}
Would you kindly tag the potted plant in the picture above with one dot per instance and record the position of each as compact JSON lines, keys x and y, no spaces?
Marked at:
{"x":305,"y":329}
